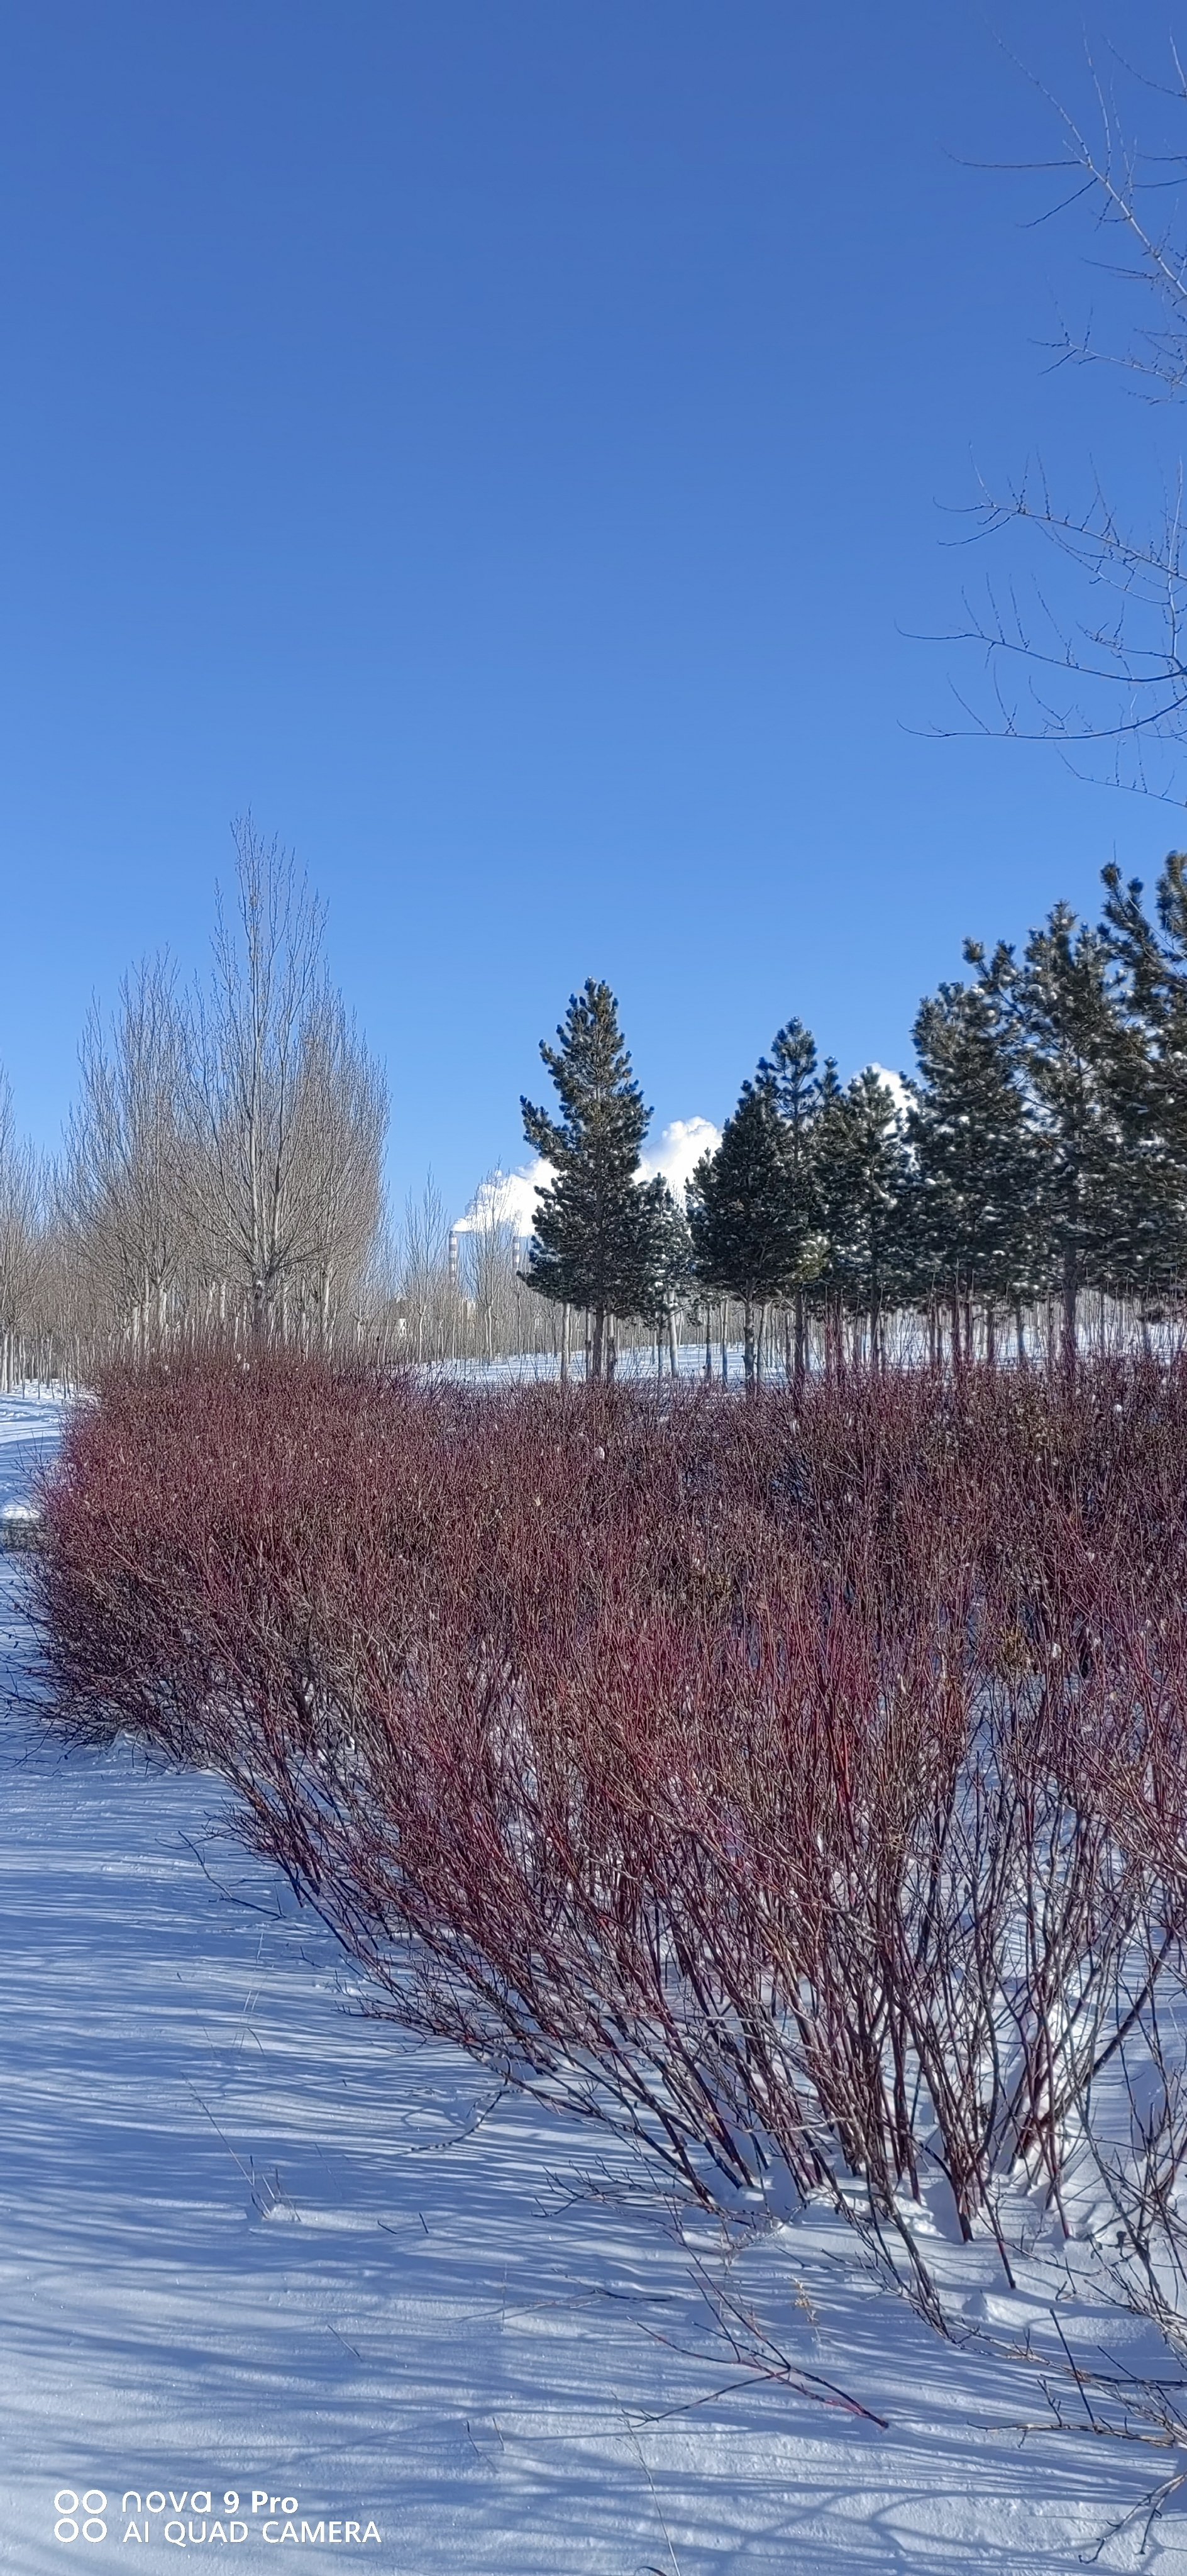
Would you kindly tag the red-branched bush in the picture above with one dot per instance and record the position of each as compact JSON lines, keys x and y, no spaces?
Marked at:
{"x":799,"y":1784}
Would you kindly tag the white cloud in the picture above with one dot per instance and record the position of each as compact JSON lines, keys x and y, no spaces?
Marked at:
{"x":509,"y":1198}
{"x":506,"y":1198}
{"x":679,"y":1151}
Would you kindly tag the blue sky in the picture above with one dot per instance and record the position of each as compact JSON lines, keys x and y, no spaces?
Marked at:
{"x":513,"y":447}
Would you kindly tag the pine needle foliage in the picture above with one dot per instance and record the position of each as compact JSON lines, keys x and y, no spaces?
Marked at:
{"x":595,"y":1241}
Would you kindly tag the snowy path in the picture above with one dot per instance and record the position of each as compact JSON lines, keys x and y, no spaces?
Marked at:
{"x":247,"y":2243}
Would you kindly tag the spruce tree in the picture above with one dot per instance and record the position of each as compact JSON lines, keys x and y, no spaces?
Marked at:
{"x":595,"y":1238}
{"x":747,"y":1238}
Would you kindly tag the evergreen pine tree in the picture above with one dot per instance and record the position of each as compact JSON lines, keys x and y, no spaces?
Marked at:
{"x":672,"y":1270}
{"x":795,"y":1082}
{"x":861,"y":1171}
{"x":1062,"y":1001}
{"x":1151,"y":1086}
{"x":972,"y":1198}
{"x":594,"y":1244}
{"x":747,"y":1239}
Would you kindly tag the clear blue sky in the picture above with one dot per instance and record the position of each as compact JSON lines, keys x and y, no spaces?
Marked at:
{"x":504,"y":444}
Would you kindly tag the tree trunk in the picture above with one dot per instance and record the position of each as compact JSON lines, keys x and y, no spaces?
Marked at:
{"x":1068,"y":1303}
{"x":1019,"y":1329}
{"x":748,"y":1345}
{"x":564,"y":1345}
{"x":672,"y":1342}
{"x":597,"y":1357}
{"x":801,"y":1337}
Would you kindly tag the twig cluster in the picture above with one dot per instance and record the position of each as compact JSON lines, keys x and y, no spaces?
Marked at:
{"x":800,"y":1788}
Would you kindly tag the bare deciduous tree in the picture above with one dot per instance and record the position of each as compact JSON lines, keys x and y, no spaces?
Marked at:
{"x":22,"y":1208}
{"x":1101,"y":657}
{"x":125,"y":1186}
{"x":342,"y":1119}
{"x":425,"y":1292}
{"x":488,"y":1258}
{"x":289,"y":1109}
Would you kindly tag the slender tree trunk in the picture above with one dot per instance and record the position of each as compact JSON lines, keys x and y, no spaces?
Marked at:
{"x":599,"y":1342}
{"x":801,"y":1337}
{"x":748,"y":1346}
{"x":672,"y":1341}
{"x":990,"y":1334}
{"x":1019,"y":1330}
{"x":564,"y":1346}
{"x":708,"y":1344}
{"x":1068,"y":1302}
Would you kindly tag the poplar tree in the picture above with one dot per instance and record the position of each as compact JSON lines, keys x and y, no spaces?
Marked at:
{"x":595,"y":1240}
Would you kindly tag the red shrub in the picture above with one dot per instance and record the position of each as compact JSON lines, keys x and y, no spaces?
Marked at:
{"x":799,"y":1787}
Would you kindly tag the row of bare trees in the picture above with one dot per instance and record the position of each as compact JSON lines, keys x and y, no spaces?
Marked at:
{"x":223,"y":1162}
{"x":222,"y":1171}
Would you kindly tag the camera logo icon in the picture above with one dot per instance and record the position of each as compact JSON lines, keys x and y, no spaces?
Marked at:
{"x":80,"y":2517}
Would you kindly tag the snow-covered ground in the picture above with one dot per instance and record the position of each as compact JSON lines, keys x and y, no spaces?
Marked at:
{"x":252,"y":2244}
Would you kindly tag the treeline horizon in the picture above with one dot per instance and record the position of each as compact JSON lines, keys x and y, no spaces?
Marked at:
{"x":1039,"y":1152}
{"x":221,"y":1173}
